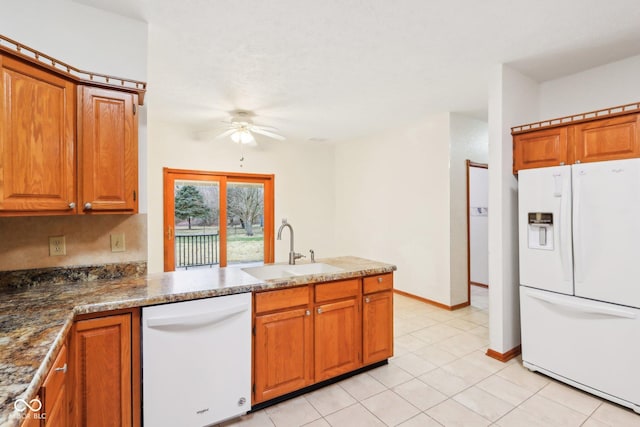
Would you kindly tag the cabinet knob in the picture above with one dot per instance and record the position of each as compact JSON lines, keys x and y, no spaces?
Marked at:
{"x":63,"y":369}
{"x":379,"y":279}
{"x":72,"y":205}
{"x":87,"y":206}
{"x":307,"y":313}
{"x":319,"y":310}
{"x":367,"y":300}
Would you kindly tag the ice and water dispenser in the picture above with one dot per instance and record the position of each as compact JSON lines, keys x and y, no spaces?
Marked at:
{"x":540,"y":230}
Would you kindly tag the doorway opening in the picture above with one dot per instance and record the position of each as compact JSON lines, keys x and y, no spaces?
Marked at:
{"x":477,"y":234}
{"x":217,"y":219}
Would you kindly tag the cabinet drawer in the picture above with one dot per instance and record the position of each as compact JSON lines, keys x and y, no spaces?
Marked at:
{"x":336,"y":290}
{"x":378,"y":283}
{"x":53,"y":385}
{"x":284,"y":298}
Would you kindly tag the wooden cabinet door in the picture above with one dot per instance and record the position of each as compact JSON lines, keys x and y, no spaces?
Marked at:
{"x":377,"y":327}
{"x":32,"y":419}
{"x":108,"y":162}
{"x":102,"y":366}
{"x":54,"y":392}
{"x":607,"y":139}
{"x":37,"y":141}
{"x":282,"y":353}
{"x":337,"y":338}
{"x":540,"y":149}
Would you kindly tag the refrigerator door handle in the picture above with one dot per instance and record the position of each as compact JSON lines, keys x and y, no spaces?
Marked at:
{"x":564,"y":243}
{"x":578,"y":255}
{"x":583,"y":307}
{"x":557,"y":184}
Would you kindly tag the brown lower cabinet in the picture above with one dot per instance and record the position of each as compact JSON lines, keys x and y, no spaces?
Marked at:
{"x":283,"y":325}
{"x":53,"y":392}
{"x":106,"y":370}
{"x":312,"y":333}
{"x":377,"y":326}
{"x":337,"y":328}
{"x":377,"y":318}
{"x":53,"y":395}
{"x":95,"y":378}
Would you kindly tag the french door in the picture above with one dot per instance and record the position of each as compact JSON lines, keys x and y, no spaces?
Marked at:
{"x":217,"y":219}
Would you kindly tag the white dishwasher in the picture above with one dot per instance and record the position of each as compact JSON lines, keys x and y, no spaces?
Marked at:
{"x":196,"y":361}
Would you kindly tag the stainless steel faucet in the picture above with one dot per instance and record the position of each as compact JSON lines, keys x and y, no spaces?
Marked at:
{"x":293,"y":256}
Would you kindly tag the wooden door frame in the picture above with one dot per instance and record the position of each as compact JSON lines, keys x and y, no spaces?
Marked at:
{"x":470,"y":165}
{"x":169,"y":176}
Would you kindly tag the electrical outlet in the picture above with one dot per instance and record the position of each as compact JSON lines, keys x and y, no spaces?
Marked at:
{"x":117,"y":242}
{"x":57,"y":246}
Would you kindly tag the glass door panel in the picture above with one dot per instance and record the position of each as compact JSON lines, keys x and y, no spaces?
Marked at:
{"x":197,"y":223}
{"x":245,"y":222}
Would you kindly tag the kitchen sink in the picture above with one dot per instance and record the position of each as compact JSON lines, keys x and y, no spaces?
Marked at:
{"x":279,"y":271}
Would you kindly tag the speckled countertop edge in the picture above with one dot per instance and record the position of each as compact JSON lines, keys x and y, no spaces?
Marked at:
{"x":160,"y":288}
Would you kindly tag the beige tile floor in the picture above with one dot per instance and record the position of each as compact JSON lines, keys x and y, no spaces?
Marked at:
{"x":440,"y":375}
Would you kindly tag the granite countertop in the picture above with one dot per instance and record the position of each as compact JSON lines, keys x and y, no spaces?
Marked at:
{"x":34,"y":321}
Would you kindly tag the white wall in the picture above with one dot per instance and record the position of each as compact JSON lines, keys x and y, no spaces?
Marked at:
{"x":601,"y":87}
{"x":513,"y":100}
{"x":469,"y":140}
{"x":392,"y":204}
{"x":304,"y":183}
{"x":82,"y":36}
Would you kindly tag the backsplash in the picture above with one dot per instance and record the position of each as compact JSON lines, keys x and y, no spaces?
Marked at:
{"x":56,"y":275}
{"x":24,"y":241}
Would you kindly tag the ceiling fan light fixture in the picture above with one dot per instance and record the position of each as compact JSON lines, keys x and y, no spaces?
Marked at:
{"x":242,"y":136}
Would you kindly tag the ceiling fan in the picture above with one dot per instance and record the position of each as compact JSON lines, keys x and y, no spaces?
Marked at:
{"x":241,"y":129}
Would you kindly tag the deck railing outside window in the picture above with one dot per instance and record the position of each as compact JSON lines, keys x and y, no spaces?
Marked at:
{"x":196,"y":250}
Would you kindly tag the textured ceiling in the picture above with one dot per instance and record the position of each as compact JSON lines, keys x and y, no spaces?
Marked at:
{"x":342,"y":69}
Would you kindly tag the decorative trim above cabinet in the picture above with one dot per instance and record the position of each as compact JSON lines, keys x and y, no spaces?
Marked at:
{"x":79,"y":76}
{"x":578,"y":118}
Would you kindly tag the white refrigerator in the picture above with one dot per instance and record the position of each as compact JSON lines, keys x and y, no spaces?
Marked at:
{"x":579,"y":233}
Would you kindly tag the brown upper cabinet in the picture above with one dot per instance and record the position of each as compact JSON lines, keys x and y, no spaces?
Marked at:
{"x":108,"y":159}
{"x":611,"y":139}
{"x":68,"y":145}
{"x":37,"y":142}
{"x":540,"y":149}
{"x":610,"y":134}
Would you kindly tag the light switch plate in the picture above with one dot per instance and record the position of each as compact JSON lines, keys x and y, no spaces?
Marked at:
{"x":57,"y":246}
{"x":117,"y":242}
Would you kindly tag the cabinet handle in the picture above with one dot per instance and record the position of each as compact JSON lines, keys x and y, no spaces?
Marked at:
{"x":63,"y":369}
{"x":379,"y":279}
{"x":319,"y":310}
{"x":72,"y":205}
{"x":367,"y":300}
{"x":87,"y":206}
{"x":307,"y":313}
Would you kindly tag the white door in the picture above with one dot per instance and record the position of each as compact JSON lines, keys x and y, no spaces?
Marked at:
{"x":479,"y":225}
{"x":606,"y":223}
{"x":544,"y":222}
